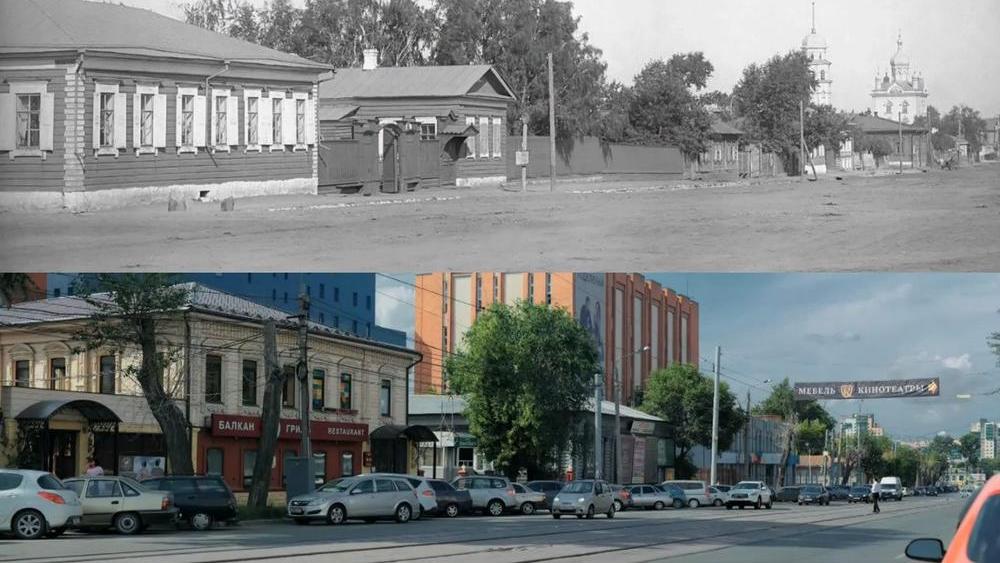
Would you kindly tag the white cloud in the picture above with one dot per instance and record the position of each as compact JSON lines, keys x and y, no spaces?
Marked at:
{"x":962,"y":362}
{"x":394,"y":306}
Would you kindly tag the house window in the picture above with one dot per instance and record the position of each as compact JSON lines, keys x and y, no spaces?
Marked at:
{"x":252,"y":114}
{"x":497,"y":137}
{"x":385,"y":398}
{"x":345,"y":391}
{"x":428,"y":131}
{"x":354,"y":326}
{"x":548,"y":288}
{"x":29,"y":112}
{"x":187,"y":120}
{"x":276,"y":104}
{"x":107,"y":120}
{"x":221,"y":105}
{"x":249,"y":459}
{"x":300,"y":122}
{"x":288,"y":388}
{"x":822,"y":75}
{"x":484,"y":137}
{"x":444,"y":295}
{"x":368,"y":302}
{"x":346,"y":464}
{"x":274,"y":295}
{"x":22,"y":373}
{"x":249,"y":382}
{"x":213,"y":379}
{"x":479,"y":292}
{"x":214,"y":458}
{"x":319,"y":464}
{"x":906,"y":108}
{"x":107,"y":381}
{"x":471,"y":141}
{"x":888,"y":108}
{"x":444,"y":338}
{"x":146,"y":120}
{"x":319,"y":389}
{"x":496,"y":287}
{"x":531,"y":287}
{"x":336,"y":295}
{"x":355,"y":299}
{"x":57,"y":372}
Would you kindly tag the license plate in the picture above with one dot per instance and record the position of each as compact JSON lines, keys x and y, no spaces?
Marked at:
{"x":296,"y":511}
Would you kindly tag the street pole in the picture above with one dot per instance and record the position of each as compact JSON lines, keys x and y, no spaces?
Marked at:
{"x":524,"y":148}
{"x":715,"y":416}
{"x":746,"y":436}
{"x":598,"y":436}
{"x":900,"y":142}
{"x":810,"y":466}
{"x":802,"y":141}
{"x":305,"y":389}
{"x":552,"y":128}
{"x":618,"y":426}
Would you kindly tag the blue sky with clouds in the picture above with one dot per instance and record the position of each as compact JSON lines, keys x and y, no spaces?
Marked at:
{"x":823,"y":327}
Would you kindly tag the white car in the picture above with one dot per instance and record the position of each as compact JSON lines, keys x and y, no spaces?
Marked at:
{"x":696,"y":492}
{"x":750,"y":493}
{"x":717,"y":496}
{"x":425,"y":493}
{"x":34,"y":504}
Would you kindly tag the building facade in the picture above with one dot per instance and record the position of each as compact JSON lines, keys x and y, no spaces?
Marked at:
{"x":815,"y":48}
{"x":638,"y":325}
{"x":62,"y":402}
{"x":105,"y":105}
{"x":754,"y":454}
{"x":900,"y":94}
{"x":988,"y":441}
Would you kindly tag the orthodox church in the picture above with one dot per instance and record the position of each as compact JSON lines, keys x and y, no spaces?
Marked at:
{"x":900,"y":94}
{"x":814,"y":46}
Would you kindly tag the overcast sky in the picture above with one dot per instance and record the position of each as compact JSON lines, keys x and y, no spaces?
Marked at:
{"x":953,"y":43}
{"x":836,"y":327}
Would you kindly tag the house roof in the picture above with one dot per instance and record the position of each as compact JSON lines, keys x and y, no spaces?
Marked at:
{"x":413,"y":81}
{"x":201,"y":299}
{"x":60,"y":25}
{"x":875,"y":124}
{"x":720,"y":127}
{"x":447,"y":404}
{"x":336,"y":112}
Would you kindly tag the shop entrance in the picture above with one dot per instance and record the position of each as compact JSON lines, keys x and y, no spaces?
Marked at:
{"x":62,"y":445}
{"x":47,"y":449}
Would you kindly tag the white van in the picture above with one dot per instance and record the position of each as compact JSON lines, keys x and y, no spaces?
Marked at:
{"x":696,"y":491}
{"x":892,"y":487}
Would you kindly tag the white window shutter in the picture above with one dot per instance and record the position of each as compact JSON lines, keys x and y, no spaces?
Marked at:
{"x":265,"y":116}
{"x":97,"y":120}
{"x":470,"y":142}
{"x":178,"y":101}
{"x":136,"y":127}
{"x":233,"y":120}
{"x":200,"y":113}
{"x":8,"y":123}
{"x":310,"y":122}
{"x":484,"y":138}
{"x":211,"y":120}
{"x":497,"y":137}
{"x":160,"y":121}
{"x":46,"y":122}
{"x":288,"y":121}
{"x":121,"y":121}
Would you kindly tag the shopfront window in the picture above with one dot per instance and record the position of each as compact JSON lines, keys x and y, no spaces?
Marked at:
{"x":319,"y":389}
{"x":214,"y":461}
{"x":249,"y":459}
{"x":345,"y":391}
{"x":466,"y":457}
{"x":319,"y":468}
{"x":346,"y":464}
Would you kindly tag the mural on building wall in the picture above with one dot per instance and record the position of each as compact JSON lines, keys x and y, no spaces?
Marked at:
{"x":588,"y":299}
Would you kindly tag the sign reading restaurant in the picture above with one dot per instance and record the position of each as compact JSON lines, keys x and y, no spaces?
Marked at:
{"x":889,"y":389}
{"x":239,"y":426}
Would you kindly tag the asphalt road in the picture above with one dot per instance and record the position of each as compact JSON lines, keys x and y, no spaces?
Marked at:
{"x":790,"y":533}
{"x":938,"y":220}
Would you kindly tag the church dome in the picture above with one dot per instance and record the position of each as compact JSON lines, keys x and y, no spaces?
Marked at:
{"x":901,"y":58}
{"x":813,"y":41}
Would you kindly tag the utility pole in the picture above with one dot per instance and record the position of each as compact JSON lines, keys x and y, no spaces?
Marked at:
{"x":305,"y":389}
{"x":618,"y":424}
{"x":802,"y":141}
{"x":524,"y":149}
{"x":598,"y":436}
{"x":552,"y":131}
{"x":746,"y":435}
{"x":715,"y":415}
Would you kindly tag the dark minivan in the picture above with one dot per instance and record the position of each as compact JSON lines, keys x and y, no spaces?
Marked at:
{"x":450,"y":501}
{"x":202,"y":500}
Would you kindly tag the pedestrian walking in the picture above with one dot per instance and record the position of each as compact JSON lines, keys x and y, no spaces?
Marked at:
{"x":94,"y":469}
{"x":876,"y":493}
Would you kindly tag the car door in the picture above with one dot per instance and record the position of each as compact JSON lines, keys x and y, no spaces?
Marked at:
{"x":602,"y":497}
{"x":361,"y":499}
{"x":479,"y":489}
{"x":135,"y":500}
{"x":9,"y":484}
{"x":385,"y":497}
{"x":102,"y":500}
{"x":185,"y":494}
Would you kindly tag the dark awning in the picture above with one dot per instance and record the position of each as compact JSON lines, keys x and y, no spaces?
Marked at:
{"x":91,"y":410}
{"x":417,"y":433}
{"x":466,"y":130}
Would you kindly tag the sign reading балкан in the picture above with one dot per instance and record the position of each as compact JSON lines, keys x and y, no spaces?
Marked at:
{"x":889,"y":389}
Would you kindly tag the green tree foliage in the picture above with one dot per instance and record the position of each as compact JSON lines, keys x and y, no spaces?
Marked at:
{"x":878,"y":147}
{"x":781,"y":402}
{"x":525,"y":371}
{"x":968,"y":122}
{"x":810,"y":436}
{"x":969,"y":445}
{"x":905,"y":464}
{"x":683,"y":397}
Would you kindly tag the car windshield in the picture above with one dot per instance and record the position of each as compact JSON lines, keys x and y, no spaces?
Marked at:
{"x":337,"y":486}
{"x":812,"y":490}
{"x":746,"y":485}
{"x":579,"y":487}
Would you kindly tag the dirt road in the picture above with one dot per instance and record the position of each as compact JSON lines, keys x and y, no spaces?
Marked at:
{"x":938,"y":220}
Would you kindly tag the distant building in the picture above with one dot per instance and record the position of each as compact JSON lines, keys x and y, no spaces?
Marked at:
{"x":910,"y":143}
{"x":865,"y":423}
{"x":814,"y":46}
{"x":755,"y":459}
{"x":988,"y":440}
{"x":899,"y":94}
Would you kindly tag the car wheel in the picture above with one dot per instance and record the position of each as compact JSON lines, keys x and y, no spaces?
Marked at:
{"x":495,"y":508}
{"x":769,"y":505}
{"x":579,"y":516}
{"x":611,"y":511}
{"x":556,"y":516}
{"x":127,"y":523}
{"x":403,"y":513}
{"x":800,"y":503}
{"x":528,"y":508}
{"x":693,"y":503}
{"x":658,"y":505}
{"x":201,"y":521}
{"x":756,"y":505}
{"x":718,"y":502}
{"x":29,"y":525}
{"x":336,"y":515}
{"x":590,"y":512}
{"x":618,"y":506}
{"x":451,"y":510}
{"x":678,"y":503}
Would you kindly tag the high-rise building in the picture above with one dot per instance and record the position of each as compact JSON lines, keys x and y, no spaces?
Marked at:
{"x":988,"y":440}
{"x":814,"y":46}
{"x":625,"y":313}
{"x":865,"y":423}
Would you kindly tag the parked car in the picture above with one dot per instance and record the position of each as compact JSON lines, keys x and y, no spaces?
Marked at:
{"x":121,"y":503}
{"x":584,"y":498}
{"x":750,"y":493}
{"x":425,"y":493}
{"x":966,"y":492}
{"x":930,"y":491}
{"x":201,"y":500}
{"x":550,"y":488}
{"x":839,"y":492}
{"x":814,"y":494}
{"x":975,"y":539}
{"x":653,"y":497}
{"x":717,"y":495}
{"x":528,"y":501}
{"x":676,"y":493}
{"x":364,"y":497}
{"x":907,"y":492}
{"x":623,"y":497}
{"x":696,"y":492}
{"x":34,"y":504}
{"x":723,"y":488}
{"x":450,"y":501}
{"x":491,"y":495}
{"x":859,"y":493}
{"x":787,"y":494}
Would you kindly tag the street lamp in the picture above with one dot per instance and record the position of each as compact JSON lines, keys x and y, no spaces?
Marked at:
{"x":618,"y":420}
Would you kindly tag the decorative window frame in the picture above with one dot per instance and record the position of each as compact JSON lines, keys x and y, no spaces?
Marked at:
{"x":141,"y":89}
{"x":247,"y":94}
{"x":304,"y":96}
{"x":178,"y":123}
{"x":421,"y":121}
{"x":105,"y":88}
{"x":496,"y":137}
{"x":273,"y":94}
{"x":214,"y":95}
{"x":40,"y":87}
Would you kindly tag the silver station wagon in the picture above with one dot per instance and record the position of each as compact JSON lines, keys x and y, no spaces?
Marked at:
{"x":367,"y":498}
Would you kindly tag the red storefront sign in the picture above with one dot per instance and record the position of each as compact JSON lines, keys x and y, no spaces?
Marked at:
{"x":240,"y":426}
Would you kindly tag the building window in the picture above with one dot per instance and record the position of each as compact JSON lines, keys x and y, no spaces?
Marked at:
{"x":146,"y":120}
{"x":286,"y":297}
{"x":57,"y":372}
{"x":888,"y":109}
{"x":345,"y":391}
{"x":531,"y":287}
{"x":906,"y":108}
{"x":249,"y":278}
{"x":249,"y":382}
{"x":355,"y":299}
{"x":213,"y":379}
{"x":822,"y":75}
{"x":107,"y":381}
{"x":428,"y":131}
{"x":187,"y":121}
{"x":288,"y":386}
{"x":322,"y":291}
{"x":107,"y":121}
{"x":300,"y":122}
{"x":319,"y":389}
{"x":214,"y":461}
{"x":221,"y":104}
{"x":444,"y":295}
{"x":385,"y":398}
{"x":249,"y":459}
{"x":444,"y":339}
{"x":479,"y":292}
{"x":22,"y":373}
{"x":274,"y":295}
{"x":482,"y":143}
{"x":354,"y":326}
{"x":470,"y":141}
{"x":496,"y":287}
{"x":346,"y":464}
{"x":336,"y":321}
{"x":336,"y":295}
{"x":319,"y":463}
{"x":548,"y":288}
{"x":497,"y":137}
{"x":368,"y":302}
{"x":56,"y":292}
{"x":466,"y":457}
{"x":29,"y":119}
{"x":322,"y":319}
{"x":252,"y":119}
{"x":276,"y":104}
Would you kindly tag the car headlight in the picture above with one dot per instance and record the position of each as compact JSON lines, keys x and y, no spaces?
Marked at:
{"x":581,"y":499}
{"x":314,"y":501}
{"x":555,"y":499}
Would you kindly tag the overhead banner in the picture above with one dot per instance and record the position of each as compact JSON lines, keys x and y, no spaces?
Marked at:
{"x":890,"y":389}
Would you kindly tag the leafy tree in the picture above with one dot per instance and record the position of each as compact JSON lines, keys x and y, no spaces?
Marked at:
{"x":524,"y":371}
{"x":968,"y":122}
{"x":969,"y":445}
{"x":873,"y":456}
{"x":810,"y":436}
{"x":878,"y":147}
{"x":824,"y":126}
{"x":683,"y":397}
{"x":131,"y":310}
{"x":905,"y":463}
{"x":781,"y":402}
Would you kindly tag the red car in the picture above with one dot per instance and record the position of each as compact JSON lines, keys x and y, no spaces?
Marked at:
{"x":977,"y":539}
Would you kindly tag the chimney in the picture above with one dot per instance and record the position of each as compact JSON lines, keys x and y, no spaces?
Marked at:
{"x":371,"y":59}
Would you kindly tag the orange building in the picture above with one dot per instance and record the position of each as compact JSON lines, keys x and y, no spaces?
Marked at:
{"x":639,"y":325}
